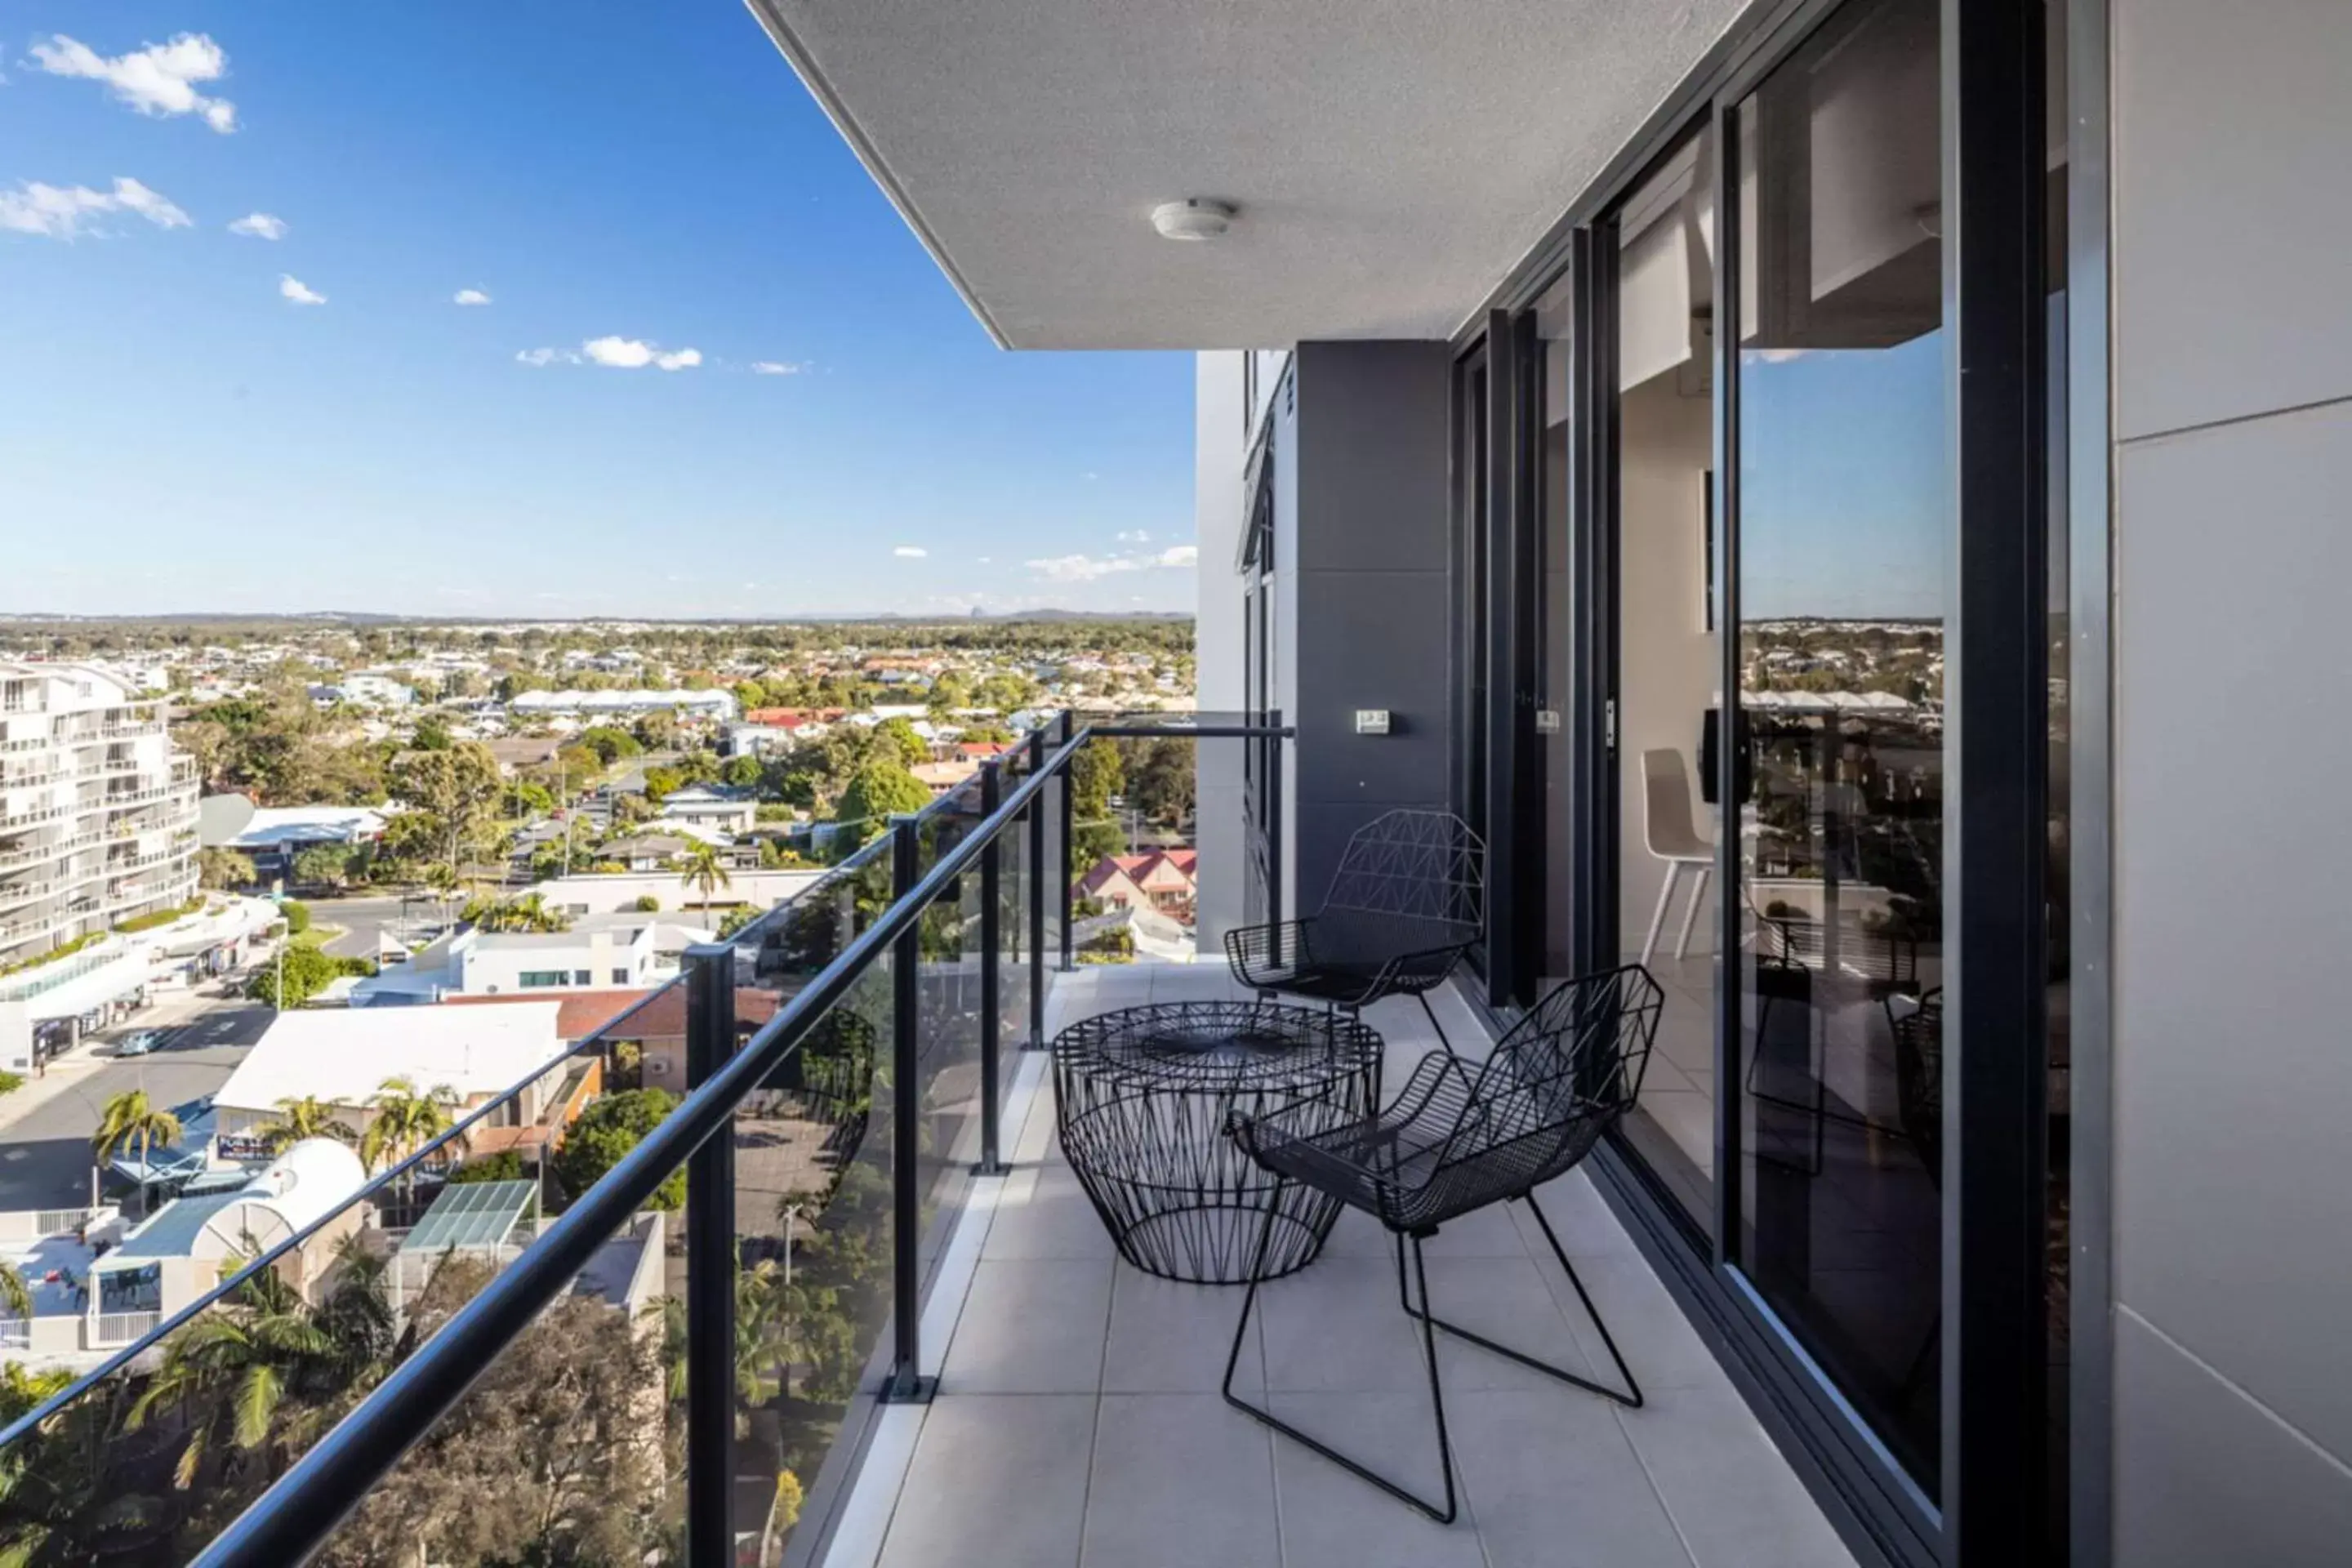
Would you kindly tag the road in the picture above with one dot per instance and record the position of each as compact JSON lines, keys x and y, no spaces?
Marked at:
{"x":363,"y":922}
{"x":44,"y":1153}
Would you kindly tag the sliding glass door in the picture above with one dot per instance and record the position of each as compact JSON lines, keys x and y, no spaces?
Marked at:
{"x":1795,"y":511}
{"x":1842,"y":528}
{"x":1659,"y":566}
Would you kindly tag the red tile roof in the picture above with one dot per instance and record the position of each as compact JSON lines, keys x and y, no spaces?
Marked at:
{"x":580,"y":1014}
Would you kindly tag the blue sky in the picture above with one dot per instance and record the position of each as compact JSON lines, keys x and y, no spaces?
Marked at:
{"x":1844,"y":482}
{"x":178,"y":431}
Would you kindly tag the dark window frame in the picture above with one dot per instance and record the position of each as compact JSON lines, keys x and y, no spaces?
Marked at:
{"x":1992,"y":67}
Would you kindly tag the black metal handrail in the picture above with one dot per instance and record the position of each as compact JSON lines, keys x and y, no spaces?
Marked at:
{"x":297,"y":1515}
{"x":302,"y":1509}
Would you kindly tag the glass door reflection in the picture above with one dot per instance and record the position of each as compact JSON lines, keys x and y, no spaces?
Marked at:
{"x":1843,"y":519}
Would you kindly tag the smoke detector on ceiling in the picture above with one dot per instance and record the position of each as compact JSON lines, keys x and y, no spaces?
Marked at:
{"x":1193,"y":218}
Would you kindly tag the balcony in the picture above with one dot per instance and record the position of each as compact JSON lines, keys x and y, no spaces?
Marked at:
{"x":873,"y":1200}
{"x":1078,"y":1418}
{"x":21,"y":854}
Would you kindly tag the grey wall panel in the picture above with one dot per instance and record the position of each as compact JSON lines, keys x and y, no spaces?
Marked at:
{"x":1372,"y":561}
{"x":2206,"y":1477}
{"x":1370,"y":648}
{"x":1373,"y":465}
{"x":2232,"y":1082}
{"x":2232,"y":127}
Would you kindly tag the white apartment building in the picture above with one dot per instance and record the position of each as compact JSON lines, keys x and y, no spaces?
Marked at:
{"x":707,"y":704}
{"x":97,"y":812}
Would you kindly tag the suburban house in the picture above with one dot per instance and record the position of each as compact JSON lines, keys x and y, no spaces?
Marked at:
{"x":605,"y":892}
{"x":1161,"y":879}
{"x":177,"y":1254}
{"x":276,"y":834}
{"x":519,"y":754}
{"x":712,"y":806}
{"x":599,"y":950}
{"x":342,"y":1057}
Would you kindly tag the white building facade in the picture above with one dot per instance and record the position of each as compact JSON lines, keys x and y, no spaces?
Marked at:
{"x":97,"y":812}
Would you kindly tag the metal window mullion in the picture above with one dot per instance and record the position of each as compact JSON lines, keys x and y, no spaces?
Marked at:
{"x":1995,"y":1371}
{"x":710,"y":1265}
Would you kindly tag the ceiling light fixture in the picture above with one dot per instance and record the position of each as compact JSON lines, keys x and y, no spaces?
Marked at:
{"x":1193,"y":218}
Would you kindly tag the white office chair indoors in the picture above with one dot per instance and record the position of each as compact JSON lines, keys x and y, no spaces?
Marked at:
{"x":1668,"y":832}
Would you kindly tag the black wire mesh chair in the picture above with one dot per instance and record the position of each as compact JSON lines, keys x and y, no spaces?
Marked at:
{"x":1408,"y":900}
{"x":1461,"y":1137}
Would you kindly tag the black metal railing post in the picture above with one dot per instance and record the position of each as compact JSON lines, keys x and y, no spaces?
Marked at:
{"x":710,"y":1267}
{"x":1274,"y":821}
{"x":907,"y":1384}
{"x":1036,"y":1040}
{"x":1065,"y":794}
{"x":992,"y":990}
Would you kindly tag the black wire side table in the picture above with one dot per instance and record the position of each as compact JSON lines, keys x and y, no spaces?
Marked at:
{"x":1142,"y":1099}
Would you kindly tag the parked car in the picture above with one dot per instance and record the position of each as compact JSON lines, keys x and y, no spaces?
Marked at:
{"x":139,"y":1043}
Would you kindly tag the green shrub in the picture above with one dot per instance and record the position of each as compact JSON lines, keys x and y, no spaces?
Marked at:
{"x":11,"y":1082}
{"x":155,"y":918}
{"x":505,"y":1165}
{"x":297,"y":915}
{"x":647,"y":904}
{"x":307,"y":970}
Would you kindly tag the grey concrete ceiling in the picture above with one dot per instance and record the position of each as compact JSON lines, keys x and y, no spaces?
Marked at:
{"x":1391,"y":159}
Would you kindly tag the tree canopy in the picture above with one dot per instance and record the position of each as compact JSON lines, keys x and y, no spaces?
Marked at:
{"x":606,"y":1132}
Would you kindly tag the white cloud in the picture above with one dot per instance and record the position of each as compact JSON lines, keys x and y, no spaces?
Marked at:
{"x":299,"y":292}
{"x":910,"y":552}
{"x":983,"y":561}
{"x":159,"y":80}
{"x":1776,"y":356}
{"x":470,"y":297}
{"x":634,"y":353}
{"x":546,"y":356}
{"x":63,"y":212}
{"x":259,"y":225}
{"x":1088,"y":568}
{"x":1134,"y":536}
{"x":777,"y":367}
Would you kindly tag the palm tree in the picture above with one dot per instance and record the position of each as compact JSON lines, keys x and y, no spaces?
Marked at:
{"x":704,"y":871}
{"x":406,"y":1118}
{"x":307,"y":1117}
{"x":15,"y":1298}
{"x":537,"y":914}
{"x":795,"y":1208}
{"x":531,"y":913}
{"x":131,"y":1123}
{"x":446,"y":882}
{"x":763,"y":1340}
{"x":229,"y":1371}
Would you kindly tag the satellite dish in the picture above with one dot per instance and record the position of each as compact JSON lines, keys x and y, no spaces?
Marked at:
{"x":221,"y":817}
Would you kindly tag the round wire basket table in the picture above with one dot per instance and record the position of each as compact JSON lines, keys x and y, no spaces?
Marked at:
{"x":1143,"y":1097}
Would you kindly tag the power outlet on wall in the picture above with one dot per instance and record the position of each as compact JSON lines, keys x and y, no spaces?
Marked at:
{"x":1371,"y":720}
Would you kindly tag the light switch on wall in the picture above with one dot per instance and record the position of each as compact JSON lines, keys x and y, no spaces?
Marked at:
{"x":1371,"y":720}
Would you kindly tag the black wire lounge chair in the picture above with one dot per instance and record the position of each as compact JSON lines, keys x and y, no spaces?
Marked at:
{"x":1408,"y":900}
{"x":1461,"y":1137}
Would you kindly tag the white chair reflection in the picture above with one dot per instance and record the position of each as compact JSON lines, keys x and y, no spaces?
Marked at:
{"x":1669,"y":833}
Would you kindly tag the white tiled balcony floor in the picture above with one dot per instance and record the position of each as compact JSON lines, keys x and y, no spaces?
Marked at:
{"x":1078,"y":1420}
